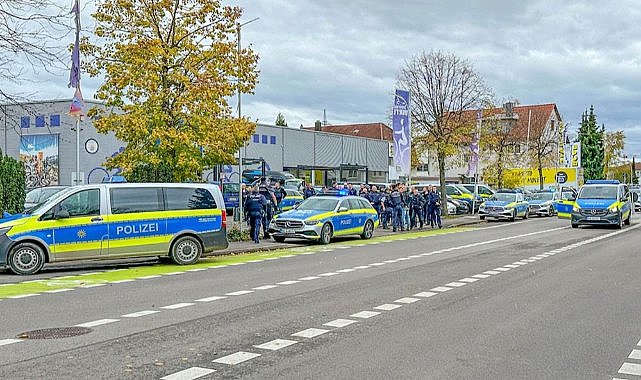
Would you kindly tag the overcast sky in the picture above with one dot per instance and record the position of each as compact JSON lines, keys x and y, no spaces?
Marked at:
{"x":343,"y":56}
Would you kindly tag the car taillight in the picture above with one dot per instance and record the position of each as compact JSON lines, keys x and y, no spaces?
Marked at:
{"x":224,"y":214}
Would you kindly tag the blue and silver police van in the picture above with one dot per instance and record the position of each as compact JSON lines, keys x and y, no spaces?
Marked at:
{"x":115,"y":221}
{"x":603,"y":202}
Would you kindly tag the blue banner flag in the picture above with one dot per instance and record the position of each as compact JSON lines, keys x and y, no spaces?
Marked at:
{"x":401,"y":128}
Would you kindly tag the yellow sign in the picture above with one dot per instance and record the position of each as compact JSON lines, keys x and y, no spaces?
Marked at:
{"x":530,"y":177}
{"x":575,"y":155}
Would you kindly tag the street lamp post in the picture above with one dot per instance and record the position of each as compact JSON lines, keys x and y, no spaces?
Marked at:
{"x":240,"y":115}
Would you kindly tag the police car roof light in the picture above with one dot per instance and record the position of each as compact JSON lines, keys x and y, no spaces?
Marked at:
{"x":602,"y":182}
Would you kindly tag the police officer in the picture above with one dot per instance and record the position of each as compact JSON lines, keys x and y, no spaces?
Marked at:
{"x":254,"y":209}
{"x":387,"y":208}
{"x":309,"y":191}
{"x":264,"y":189}
{"x":376,"y":200}
{"x":416,"y":204}
{"x":279,"y":194}
{"x":434,"y":200}
{"x":396,"y":199}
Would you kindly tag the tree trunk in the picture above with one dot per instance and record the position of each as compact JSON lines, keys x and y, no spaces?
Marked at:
{"x":441,"y":176}
{"x":541,"y":173}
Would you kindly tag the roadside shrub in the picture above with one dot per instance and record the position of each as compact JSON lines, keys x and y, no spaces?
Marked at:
{"x":12,"y":185}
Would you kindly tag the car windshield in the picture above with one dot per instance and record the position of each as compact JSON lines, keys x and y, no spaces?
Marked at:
{"x":293,"y":193}
{"x":598,"y":192}
{"x":463,"y":189}
{"x":230,"y":188}
{"x":32,"y":196}
{"x":43,"y":206}
{"x":318,"y":203}
{"x":503,"y":197}
{"x":542,"y":196}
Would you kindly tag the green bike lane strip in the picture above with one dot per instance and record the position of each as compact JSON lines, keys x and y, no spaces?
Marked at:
{"x":94,"y":279}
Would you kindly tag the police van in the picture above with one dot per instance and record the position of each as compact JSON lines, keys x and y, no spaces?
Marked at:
{"x":115,"y":221}
{"x":603,"y":202}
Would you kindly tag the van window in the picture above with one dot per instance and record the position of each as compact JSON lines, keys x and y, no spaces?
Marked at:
{"x":177,"y":198}
{"x":140,"y":199}
{"x":82,"y":203}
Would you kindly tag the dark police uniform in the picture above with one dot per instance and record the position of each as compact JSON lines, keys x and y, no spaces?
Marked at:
{"x":254,"y":209}
{"x":269,"y":208}
{"x":396,"y":200}
{"x":280,"y":194}
{"x":309,"y":192}
{"x":416,"y":203}
{"x":375,"y":198}
{"x":434,"y":208}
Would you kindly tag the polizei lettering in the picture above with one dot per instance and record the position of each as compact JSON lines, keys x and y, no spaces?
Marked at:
{"x":136,"y":229}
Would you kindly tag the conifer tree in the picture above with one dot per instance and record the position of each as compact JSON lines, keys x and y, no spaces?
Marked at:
{"x":592,"y":152}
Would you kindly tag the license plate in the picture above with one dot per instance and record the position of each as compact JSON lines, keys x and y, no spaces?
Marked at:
{"x":288,"y":230}
{"x":594,"y":218}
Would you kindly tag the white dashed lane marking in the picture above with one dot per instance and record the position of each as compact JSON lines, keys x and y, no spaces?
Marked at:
{"x":630,"y":369}
{"x":309,"y":278}
{"x":635,"y":354}
{"x":468,"y":279}
{"x":456,"y":284}
{"x":236,"y":358}
{"x":189,"y":374}
{"x":425,"y":294}
{"x":329,"y":274}
{"x":265,"y":287}
{"x":177,"y":306}
{"x":310,"y":333}
{"x":339,"y":323}
{"x":276,"y":344}
{"x":441,"y":289}
{"x":97,"y":323}
{"x":491,"y":272}
{"x":4,"y":342}
{"x":365,"y":314}
{"x":501,"y":269}
{"x":387,"y":307}
{"x":407,"y":300}
{"x":239,"y":293}
{"x":288,"y":282}
{"x":209,"y":299}
{"x":481,"y":276}
{"x":140,"y":313}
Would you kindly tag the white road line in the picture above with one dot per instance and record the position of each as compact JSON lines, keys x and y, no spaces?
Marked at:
{"x":407,"y":300}
{"x":521,"y":262}
{"x":414,"y":256}
{"x":291,"y":282}
{"x":92,"y":286}
{"x":272,"y":258}
{"x":456,"y":284}
{"x":121,"y":281}
{"x":97,"y":323}
{"x":209,"y":299}
{"x":172,"y":273}
{"x":345,"y":270}
{"x":502,"y":269}
{"x":511,"y":266}
{"x":282,"y":257}
{"x":4,"y":342}
{"x":365,"y":314}
{"x":441,"y":289}
{"x":255,"y":261}
{"x":468,"y":279}
{"x":339,"y":323}
{"x":309,"y":278}
{"x":310,"y":333}
{"x":534,"y":258}
{"x":90,"y":273}
{"x":189,"y":374}
{"x":491,"y":272}
{"x":265,"y":287}
{"x":236,"y":358}
{"x":639,"y":344}
{"x":481,"y":276}
{"x":276,"y":344}
{"x":328,"y":274}
{"x":630,"y":369}
{"x":425,"y":294}
{"x":243,"y":263}
{"x":362,"y":267}
{"x":177,"y":306}
{"x":377,"y":264}
{"x":24,"y":296}
{"x":403,"y":259}
{"x":140,"y":313}
{"x":239,"y":293}
{"x":387,"y":306}
{"x":390,"y":261}
{"x":59,"y":290}
{"x":635,"y":354}
{"x":148,"y":277}
{"x":528,"y":260}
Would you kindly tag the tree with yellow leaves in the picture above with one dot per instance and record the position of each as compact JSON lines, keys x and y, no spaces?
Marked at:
{"x":170,"y":67}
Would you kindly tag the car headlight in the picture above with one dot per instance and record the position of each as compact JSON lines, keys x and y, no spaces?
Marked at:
{"x":312,"y":222}
{"x":576,"y":208}
{"x":509,"y":208}
{"x":614,"y":210}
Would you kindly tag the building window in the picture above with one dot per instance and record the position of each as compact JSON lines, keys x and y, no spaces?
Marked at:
{"x":40,"y":121}
{"x":54,"y":120}
{"x":25,"y":122}
{"x":256,"y":139}
{"x":264,"y":139}
{"x":423,"y":168}
{"x":272,"y":140}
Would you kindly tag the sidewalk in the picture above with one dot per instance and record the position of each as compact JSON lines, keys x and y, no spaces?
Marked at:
{"x":271,"y":245}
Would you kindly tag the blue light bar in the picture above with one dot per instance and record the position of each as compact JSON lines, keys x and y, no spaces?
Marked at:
{"x":602,"y":182}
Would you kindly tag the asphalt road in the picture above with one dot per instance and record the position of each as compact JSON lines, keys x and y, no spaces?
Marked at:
{"x":570,"y":310}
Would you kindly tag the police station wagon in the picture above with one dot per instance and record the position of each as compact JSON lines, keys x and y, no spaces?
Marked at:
{"x":114,"y":221}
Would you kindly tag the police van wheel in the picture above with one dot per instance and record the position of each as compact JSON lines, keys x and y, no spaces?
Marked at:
{"x":368,"y":230}
{"x":186,"y":250}
{"x":326,"y":234}
{"x":513,"y":217}
{"x":482,"y":217}
{"x":279,"y":239}
{"x":574,"y":225}
{"x":26,"y":258}
{"x":527,"y":212}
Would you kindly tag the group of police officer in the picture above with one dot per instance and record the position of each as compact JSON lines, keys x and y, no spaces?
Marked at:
{"x":406,"y":208}
{"x":402,"y":207}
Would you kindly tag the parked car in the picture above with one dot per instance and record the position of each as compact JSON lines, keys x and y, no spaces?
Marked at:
{"x":505,"y":204}
{"x":230,"y":194}
{"x":459,"y":206}
{"x":637,"y":204}
{"x":482,"y":190}
{"x":543,"y":203}
{"x":39,"y":195}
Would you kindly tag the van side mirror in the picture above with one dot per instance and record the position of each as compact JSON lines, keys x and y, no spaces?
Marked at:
{"x":61,"y":214}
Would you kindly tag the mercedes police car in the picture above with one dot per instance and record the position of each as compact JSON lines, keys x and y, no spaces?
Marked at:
{"x":322,"y":217}
{"x":603,"y":202}
{"x":543,"y":203}
{"x":505,"y":204}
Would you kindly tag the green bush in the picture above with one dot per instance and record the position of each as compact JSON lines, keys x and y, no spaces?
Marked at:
{"x":234,"y":234}
{"x":151,"y":173}
{"x":12,"y":184}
